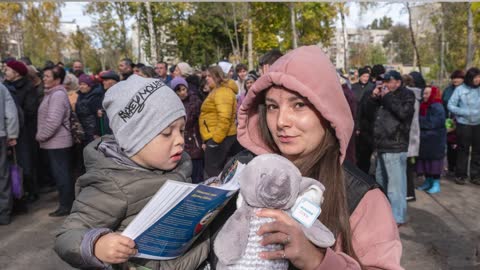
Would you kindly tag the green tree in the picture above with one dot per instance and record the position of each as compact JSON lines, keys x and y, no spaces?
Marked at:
{"x":383,"y":23}
{"x":110,"y":30}
{"x":81,"y":43}
{"x":10,"y":22}
{"x":398,"y":44}
{"x":366,"y":54}
{"x":41,"y":39}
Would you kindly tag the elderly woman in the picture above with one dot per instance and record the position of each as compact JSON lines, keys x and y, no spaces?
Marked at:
{"x":433,"y":136}
{"x":53,"y":134}
{"x":89,"y":101}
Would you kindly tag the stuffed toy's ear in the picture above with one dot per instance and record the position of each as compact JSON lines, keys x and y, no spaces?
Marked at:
{"x":232,"y":239}
{"x":319,"y":235}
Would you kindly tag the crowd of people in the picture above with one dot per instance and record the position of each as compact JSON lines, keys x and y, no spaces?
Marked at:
{"x":119,"y":136}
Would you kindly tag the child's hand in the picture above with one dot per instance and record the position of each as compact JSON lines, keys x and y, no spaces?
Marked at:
{"x":114,"y":248}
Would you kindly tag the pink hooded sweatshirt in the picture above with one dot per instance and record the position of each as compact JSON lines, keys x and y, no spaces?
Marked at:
{"x":309,"y":72}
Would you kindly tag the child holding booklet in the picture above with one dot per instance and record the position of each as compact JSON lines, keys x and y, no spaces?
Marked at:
{"x":123,"y":172}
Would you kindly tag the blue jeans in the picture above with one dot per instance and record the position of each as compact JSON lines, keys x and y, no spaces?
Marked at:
{"x":391,"y":174}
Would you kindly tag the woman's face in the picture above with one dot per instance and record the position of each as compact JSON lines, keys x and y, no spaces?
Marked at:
{"x":476,"y":80}
{"x":294,"y":123}
{"x":10,"y":74}
{"x":457,"y":81}
{"x":210,"y":81}
{"x":249,"y":84}
{"x":84,"y":88}
{"x":426,"y":93}
{"x":48,"y":80}
{"x":182,"y":92}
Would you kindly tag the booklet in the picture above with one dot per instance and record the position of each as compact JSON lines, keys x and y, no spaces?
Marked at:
{"x":178,"y":213}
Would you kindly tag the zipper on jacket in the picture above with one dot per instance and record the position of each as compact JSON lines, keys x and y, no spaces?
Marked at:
{"x":196,"y":141}
{"x":205,"y":124}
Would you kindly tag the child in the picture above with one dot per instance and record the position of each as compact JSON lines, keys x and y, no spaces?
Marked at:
{"x":123,"y":172}
{"x":193,"y":143}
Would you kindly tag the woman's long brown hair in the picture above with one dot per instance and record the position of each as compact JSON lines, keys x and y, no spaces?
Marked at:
{"x":217,"y":75}
{"x":323,"y":164}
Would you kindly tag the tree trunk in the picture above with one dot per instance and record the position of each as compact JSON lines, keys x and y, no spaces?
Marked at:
{"x":229,"y":34}
{"x":442,"y":51}
{"x":469,"y":37}
{"x":151,"y":33}
{"x":250,"y":44}
{"x":238,"y":57}
{"x":292,"y":22}
{"x":139,"y":34}
{"x":412,"y":35}
{"x":120,"y":9}
{"x":345,"y":39}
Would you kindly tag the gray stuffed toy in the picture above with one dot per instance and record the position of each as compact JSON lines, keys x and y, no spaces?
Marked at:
{"x":268,"y":181}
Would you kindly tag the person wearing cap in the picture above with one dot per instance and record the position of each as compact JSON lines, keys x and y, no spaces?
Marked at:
{"x":124,"y":171}
{"x":395,"y":107}
{"x":377,"y":73}
{"x":456,"y":79}
{"x":193,"y":140}
{"x":363,"y":120}
{"x":298,"y":110}
{"x":363,"y":84}
{"x":89,"y":101}
{"x":183,"y":69}
{"x":109,"y":79}
{"x":227,"y":69}
{"x":465,"y":105}
{"x":27,"y":99}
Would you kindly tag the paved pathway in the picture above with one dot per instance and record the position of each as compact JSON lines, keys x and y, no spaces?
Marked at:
{"x":443,"y":232}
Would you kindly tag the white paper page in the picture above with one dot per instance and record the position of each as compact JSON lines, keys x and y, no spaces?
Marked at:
{"x":163,"y":201}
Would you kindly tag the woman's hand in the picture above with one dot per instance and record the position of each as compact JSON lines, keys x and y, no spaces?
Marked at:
{"x":113,"y":248}
{"x":286,"y":231}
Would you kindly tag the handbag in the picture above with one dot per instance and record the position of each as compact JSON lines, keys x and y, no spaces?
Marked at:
{"x":16,"y":177}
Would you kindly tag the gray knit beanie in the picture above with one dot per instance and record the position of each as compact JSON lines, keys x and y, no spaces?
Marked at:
{"x":139,"y":109}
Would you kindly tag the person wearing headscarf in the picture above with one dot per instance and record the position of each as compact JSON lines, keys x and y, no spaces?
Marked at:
{"x":433,"y":136}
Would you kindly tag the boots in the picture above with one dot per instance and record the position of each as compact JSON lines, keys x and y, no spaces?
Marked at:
{"x":435,"y":186}
{"x":426,"y":184}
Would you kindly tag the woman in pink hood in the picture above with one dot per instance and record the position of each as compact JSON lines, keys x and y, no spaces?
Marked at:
{"x":298,"y":110}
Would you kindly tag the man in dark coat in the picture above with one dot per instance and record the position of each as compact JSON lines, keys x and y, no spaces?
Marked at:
{"x":363,"y":84}
{"x":391,"y":139}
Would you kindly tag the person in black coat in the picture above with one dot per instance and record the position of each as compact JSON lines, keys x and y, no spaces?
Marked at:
{"x":433,"y":136}
{"x":391,"y":133}
{"x":363,"y":84}
{"x":26,"y":98}
{"x":89,"y":101}
{"x":363,"y":121}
